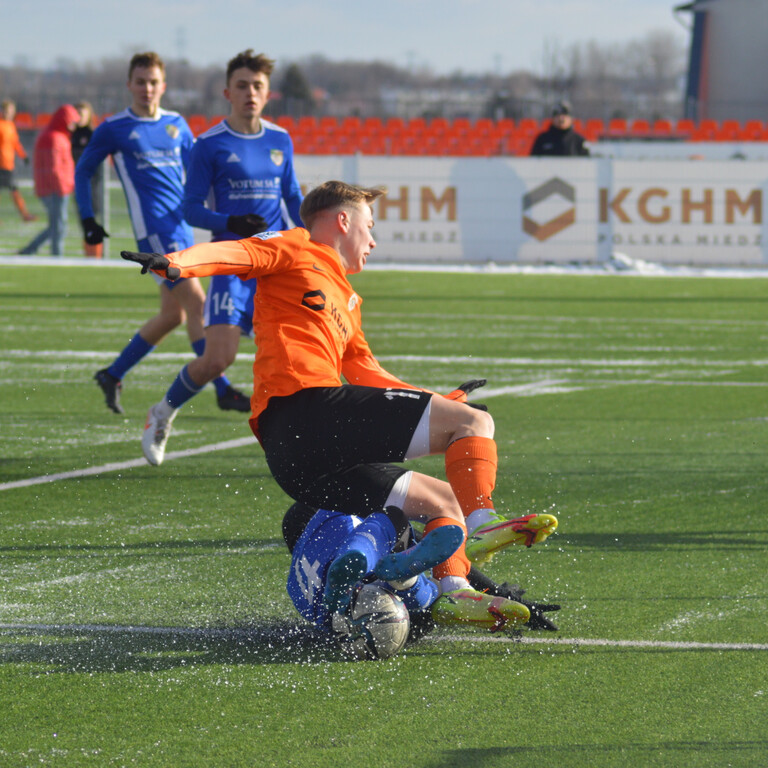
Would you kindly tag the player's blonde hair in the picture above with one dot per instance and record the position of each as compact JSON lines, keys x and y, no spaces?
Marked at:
{"x":336,"y":194}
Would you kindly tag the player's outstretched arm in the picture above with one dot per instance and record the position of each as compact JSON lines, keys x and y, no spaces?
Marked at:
{"x":154,"y":261}
{"x":460,"y":393}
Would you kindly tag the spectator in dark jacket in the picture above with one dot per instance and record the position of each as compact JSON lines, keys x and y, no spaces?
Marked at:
{"x":560,"y":139}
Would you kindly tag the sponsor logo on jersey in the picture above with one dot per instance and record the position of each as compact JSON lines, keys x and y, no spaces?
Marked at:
{"x":172,"y":131}
{"x":133,"y":135}
{"x":277,"y":156}
{"x":233,"y":158}
{"x":353,"y":299}
{"x":268,"y":235}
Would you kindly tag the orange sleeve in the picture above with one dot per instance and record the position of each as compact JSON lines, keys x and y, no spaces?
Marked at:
{"x":366,"y":371}
{"x":229,"y":257}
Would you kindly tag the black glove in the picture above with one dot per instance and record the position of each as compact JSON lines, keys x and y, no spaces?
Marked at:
{"x":154,"y":261}
{"x":246,"y":225}
{"x":26,"y":160}
{"x":538,"y":620}
{"x":461,"y":392}
{"x":479,"y":581}
{"x":92,"y":232}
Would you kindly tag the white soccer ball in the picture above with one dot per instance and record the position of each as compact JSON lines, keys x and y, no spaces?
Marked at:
{"x":376,"y":625}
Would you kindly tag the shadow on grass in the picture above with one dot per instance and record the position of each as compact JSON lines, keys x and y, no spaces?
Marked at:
{"x":574,"y":754}
{"x":103,"y":648}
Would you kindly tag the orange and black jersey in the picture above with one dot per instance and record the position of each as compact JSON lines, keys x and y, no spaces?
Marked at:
{"x":306,"y":319}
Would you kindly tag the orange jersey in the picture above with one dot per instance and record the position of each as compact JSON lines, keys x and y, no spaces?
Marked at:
{"x":306,"y":318}
{"x":10,"y":146}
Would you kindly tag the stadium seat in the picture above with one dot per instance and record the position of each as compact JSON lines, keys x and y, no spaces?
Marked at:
{"x":24,"y":121}
{"x":594,"y":128}
{"x":729,"y":130}
{"x":752,"y":130}
{"x":685,"y":128}
{"x":287,"y":122}
{"x":197,"y":124}
{"x":705,"y":130}
{"x":617,"y":126}
{"x":662,"y":128}
{"x":41,"y":120}
{"x":640,"y":127}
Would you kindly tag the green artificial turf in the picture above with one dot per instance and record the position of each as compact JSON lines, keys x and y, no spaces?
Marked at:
{"x":143,"y":609}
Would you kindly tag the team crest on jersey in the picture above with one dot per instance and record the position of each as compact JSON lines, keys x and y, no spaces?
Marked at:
{"x":276,"y":155}
{"x":172,"y":131}
{"x":353,"y":299}
{"x":133,"y":135}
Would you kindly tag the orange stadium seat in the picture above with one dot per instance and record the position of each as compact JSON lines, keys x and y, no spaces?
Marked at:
{"x":752,"y":130}
{"x":662,"y":128}
{"x":729,"y":130}
{"x":617,"y":126}
{"x":197,"y":124}
{"x":705,"y":130}
{"x":42,"y":119}
{"x":640,"y":127}
{"x":24,"y":121}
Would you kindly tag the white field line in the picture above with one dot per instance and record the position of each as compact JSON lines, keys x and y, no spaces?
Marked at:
{"x":438,"y":359}
{"x":246,"y":634}
{"x":118,"y":465}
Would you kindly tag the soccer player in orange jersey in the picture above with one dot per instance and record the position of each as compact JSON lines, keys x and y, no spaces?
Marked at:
{"x":331,"y":444}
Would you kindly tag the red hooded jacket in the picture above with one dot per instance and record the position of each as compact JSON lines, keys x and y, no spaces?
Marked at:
{"x":53,"y":163}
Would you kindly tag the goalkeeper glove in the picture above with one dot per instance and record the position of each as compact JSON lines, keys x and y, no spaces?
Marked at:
{"x":246,"y":225}
{"x":479,"y":581}
{"x":154,"y":261}
{"x":460,"y":393}
{"x":93,"y":233}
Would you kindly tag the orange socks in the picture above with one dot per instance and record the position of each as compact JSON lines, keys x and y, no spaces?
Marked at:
{"x":458,"y":563}
{"x":470,"y":466}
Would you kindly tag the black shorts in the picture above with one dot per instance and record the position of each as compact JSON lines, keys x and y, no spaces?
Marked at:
{"x":6,"y":180}
{"x":330,"y":447}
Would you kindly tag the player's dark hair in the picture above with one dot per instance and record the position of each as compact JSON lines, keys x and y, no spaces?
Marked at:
{"x":336,"y":194}
{"x":250,"y":60}
{"x":146,"y":60}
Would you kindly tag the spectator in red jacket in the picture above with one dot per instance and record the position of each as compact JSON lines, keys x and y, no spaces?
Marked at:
{"x":54,"y":172}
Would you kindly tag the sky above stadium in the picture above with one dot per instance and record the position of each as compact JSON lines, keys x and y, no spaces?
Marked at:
{"x":444,"y":35}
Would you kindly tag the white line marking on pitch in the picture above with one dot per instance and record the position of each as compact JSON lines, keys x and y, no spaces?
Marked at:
{"x":245,"y":634}
{"x":670,"y":645}
{"x":118,"y":465}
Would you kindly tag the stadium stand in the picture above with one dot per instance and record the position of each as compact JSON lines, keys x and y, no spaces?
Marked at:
{"x":483,"y":137}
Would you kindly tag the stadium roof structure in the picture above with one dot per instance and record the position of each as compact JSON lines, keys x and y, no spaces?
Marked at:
{"x":727,"y":49}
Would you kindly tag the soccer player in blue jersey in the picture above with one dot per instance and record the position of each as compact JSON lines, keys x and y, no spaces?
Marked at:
{"x":150,"y":147}
{"x":332,"y":552}
{"x":240,"y":182}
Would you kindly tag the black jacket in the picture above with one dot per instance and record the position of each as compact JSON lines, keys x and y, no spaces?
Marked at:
{"x":557,"y":142}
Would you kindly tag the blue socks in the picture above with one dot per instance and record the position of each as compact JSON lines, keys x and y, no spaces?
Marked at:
{"x":136,"y":349}
{"x":182,"y":389}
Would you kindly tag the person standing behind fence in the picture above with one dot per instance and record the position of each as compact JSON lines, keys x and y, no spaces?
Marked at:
{"x":10,"y":146}
{"x":54,"y":172}
{"x":80,"y":138}
{"x":150,"y":147}
{"x":560,"y":139}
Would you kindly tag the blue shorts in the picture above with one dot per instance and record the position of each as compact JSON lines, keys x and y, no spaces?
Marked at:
{"x":162,"y":244}
{"x":229,"y":301}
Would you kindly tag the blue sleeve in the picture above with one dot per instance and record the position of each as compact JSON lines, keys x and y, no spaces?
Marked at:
{"x":98,"y":148}
{"x":187,"y":144}
{"x":292,"y":190}
{"x":197,"y":189}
